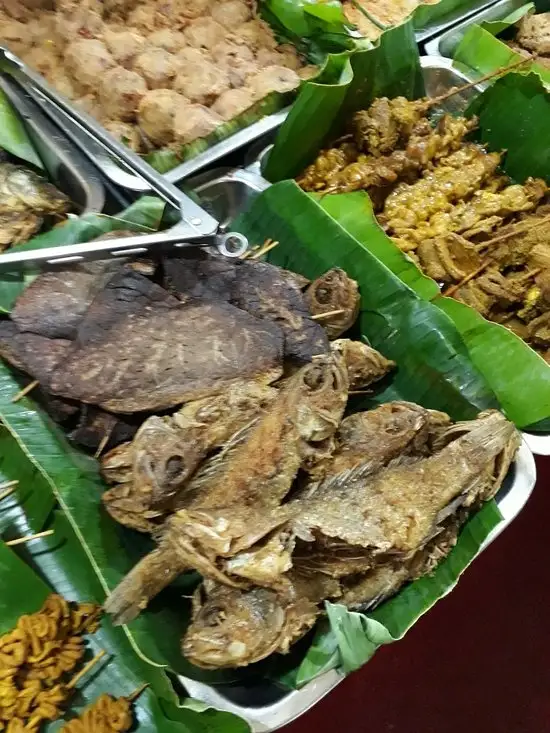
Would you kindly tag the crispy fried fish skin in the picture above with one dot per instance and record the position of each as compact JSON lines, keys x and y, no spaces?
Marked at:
{"x":242,"y":504}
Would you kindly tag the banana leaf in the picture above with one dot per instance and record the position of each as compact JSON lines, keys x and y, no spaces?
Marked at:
{"x":142,"y":216}
{"x":13,"y":136}
{"x":521,"y":381}
{"x":432,"y":14}
{"x":497,"y":26}
{"x":24,"y":585}
{"x":390,"y":68}
{"x":437,"y":374}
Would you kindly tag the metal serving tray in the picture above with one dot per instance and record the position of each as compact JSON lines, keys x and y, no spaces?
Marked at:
{"x":64,"y":165}
{"x":467,"y":9}
{"x":445,"y":44}
{"x":267,"y":707}
{"x":65,"y":114}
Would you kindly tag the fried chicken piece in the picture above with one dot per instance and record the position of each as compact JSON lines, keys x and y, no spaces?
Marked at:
{"x":156,"y":114}
{"x":120,"y":93}
{"x":193,"y":121}
{"x":157,"y":67}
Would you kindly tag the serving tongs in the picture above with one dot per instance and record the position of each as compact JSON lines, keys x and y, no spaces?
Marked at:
{"x":195,"y":228}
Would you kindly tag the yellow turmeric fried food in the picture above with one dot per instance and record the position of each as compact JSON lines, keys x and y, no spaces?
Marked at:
{"x":106,"y":715}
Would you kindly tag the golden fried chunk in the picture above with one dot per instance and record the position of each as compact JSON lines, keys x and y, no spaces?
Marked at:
{"x":106,"y":715}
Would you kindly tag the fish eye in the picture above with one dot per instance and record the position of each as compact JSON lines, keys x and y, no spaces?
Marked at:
{"x":322,"y":294}
{"x":174,"y":467}
{"x":314,"y":377}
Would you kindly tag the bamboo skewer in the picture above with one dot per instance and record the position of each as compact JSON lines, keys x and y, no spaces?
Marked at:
{"x":25,"y":390}
{"x":85,"y":669}
{"x":7,"y":489}
{"x":268,"y":245}
{"x":518,"y":229}
{"x":140,"y":690}
{"x":29,"y":538}
{"x":457,"y":90}
{"x":104,"y":441}
{"x":328,"y":314}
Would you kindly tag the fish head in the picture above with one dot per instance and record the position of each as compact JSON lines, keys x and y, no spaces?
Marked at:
{"x":364,"y":364}
{"x":232,"y":627}
{"x":321,"y":389}
{"x":334,"y":291}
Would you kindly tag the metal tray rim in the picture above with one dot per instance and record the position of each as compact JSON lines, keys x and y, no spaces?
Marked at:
{"x":451,"y":19}
{"x":492,"y":12}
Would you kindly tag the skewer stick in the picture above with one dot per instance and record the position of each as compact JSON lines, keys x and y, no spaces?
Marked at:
{"x":456,"y":90}
{"x":29,"y":538}
{"x":25,"y":390}
{"x":134,"y":696}
{"x":85,"y":669}
{"x":104,"y":440}
{"x":246,"y":255}
{"x":328,"y":314}
{"x":8,"y":488}
{"x":268,"y":246}
{"x":518,"y":229}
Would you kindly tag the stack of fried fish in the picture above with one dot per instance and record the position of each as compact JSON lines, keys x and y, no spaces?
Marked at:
{"x":445,"y":203}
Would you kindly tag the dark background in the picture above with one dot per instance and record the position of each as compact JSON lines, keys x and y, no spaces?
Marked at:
{"x":478,"y":662}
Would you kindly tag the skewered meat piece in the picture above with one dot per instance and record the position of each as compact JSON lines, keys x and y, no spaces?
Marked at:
{"x":387,"y":124}
{"x":448,"y":258}
{"x":327,"y":163}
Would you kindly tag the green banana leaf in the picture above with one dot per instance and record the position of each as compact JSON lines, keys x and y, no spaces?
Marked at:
{"x":521,"y":381}
{"x":24,"y":587}
{"x":13,"y":136}
{"x":433,"y":364}
{"x":390,"y":68}
{"x":438,"y":374}
{"x":144,"y":215}
{"x":427,"y":16}
{"x":497,"y":26}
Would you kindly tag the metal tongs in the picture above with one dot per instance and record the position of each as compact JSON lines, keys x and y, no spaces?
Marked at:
{"x":195,"y":228}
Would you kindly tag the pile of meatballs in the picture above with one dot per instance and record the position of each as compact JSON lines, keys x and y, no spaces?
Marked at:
{"x":155,"y":73}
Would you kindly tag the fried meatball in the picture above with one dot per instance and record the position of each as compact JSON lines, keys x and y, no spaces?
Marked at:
{"x":61,"y":82}
{"x":273,"y":79}
{"x":194,"y":8}
{"x":204,"y":33}
{"x":157,"y":66}
{"x":201,"y":84}
{"x":87,"y":61}
{"x":237,"y":60}
{"x":41,"y":30}
{"x":15,"y":35}
{"x":156,"y":114}
{"x":146,"y":19}
{"x":42,"y":60}
{"x":189,"y":57}
{"x":125,"y":133}
{"x":169,"y":40}
{"x":193,"y":121}
{"x":89,"y":104}
{"x":231,"y":13}
{"x":124,"y":45}
{"x":534,"y":33}
{"x":84,"y":21}
{"x":120,"y":93}
{"x":232,"y":103}
{"x":256,"y":34}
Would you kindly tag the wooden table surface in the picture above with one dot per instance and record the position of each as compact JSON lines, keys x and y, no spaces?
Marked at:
{"x":479,"y":662}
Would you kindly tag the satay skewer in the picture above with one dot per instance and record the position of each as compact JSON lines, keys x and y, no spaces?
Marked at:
{"x":328,"y":314}
{"x":7,"y":489}
{"x":25,"y":390}
{"x":29,"y":538}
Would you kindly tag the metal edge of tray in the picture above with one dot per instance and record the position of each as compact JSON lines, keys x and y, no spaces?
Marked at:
{"x":64,"y":164}
{"x":453,"y":17}
{"x":126,"y":179}
{"x":511,"y":499}
{"x":445,"y":43}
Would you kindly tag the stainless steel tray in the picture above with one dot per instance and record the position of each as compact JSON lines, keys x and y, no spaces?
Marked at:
{"x":445,"y":44}
{"x":469,"y":8}
{"x":267,"y":707}
{"x":59,"y":108}
{"x":64,"y":164}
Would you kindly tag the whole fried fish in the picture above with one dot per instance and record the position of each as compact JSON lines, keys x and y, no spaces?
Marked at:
{"x":334,"y":291}
{"x":365,"y":364}
{"x":242,"y":504}
{"x":152,"y":471}
{"x":234,"y":628}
